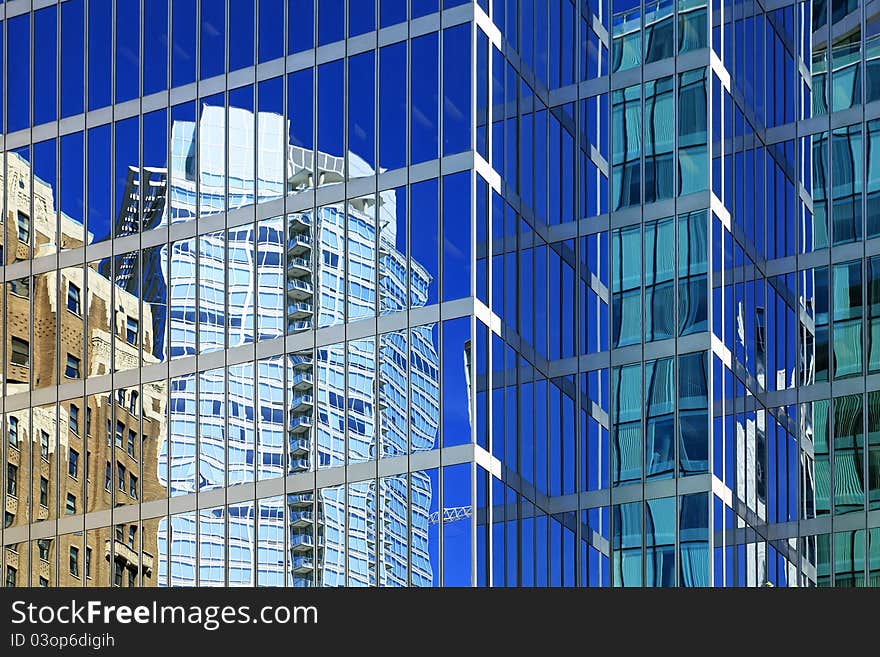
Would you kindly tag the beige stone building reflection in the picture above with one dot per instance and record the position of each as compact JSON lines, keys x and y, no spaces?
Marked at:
{"x":92,"y":453}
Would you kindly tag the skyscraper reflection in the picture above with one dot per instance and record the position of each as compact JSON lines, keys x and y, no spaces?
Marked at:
{"x":227,"y":425}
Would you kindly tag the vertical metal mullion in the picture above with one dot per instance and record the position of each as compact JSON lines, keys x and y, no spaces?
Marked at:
{"x":408,"y":342}
{"x":114,"y":317}
{"x":285,"y":392}
{"x":139,"y":441}
{"x":83,"y":452}
{"x":166,"y":338}
{"x":227,"y":338}
{"x":197,"y":387}
{"x":4,"y":428}
{"x":316,"y":506}
{"x":580,"y":428}
{"x":379,"y":523}
{"x":644,"y":295}
{"x":83,"y":181}
{"x":474,"y":73}
{"x":490,"y":378}
{"x":56,"y":481}
{"x":345,"y":297}
{"x":829,"y":222}
{"x":440,"y":279}
{"x":676,"y":292}
{"x":866,"y":562}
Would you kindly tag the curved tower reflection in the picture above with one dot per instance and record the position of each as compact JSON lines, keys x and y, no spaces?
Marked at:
{"x":227,"y":425}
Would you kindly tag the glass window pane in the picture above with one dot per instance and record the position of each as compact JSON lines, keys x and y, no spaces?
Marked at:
{"x":456,"y":89}
{"x":213,"y":38}
{"x":18,"y":69}
{"x":693,"y":408}
{"x":331,"y":108}
{"x":692,"y":132}
{"x":424,"y":94}
{"x":361,"y":17}
{"x":660,"y":417}
{"x":99,"y":213}
{"x":361,"y":416}
{"x":626,"y":286}
{"x":424,"y":387}
{"x":183,"y":44}
{"x":626,"y":34}
{"x":456,"y":236}
{"x":331,"y":21}
{"x":45,"y":65}
{"x":241,"y":34}
{"x":626,"y":567}
{"x":72,"y":52}
{"x":392,"y":106}
{"x":361,"y":115}
{"x":300,"y":25}
{"x":128,"y":54}
{"x":100,"y":39}
{"x":627,"y":391}
{"x":271,"y":36}
{"x":425,"y":250}
{"x":660,"y":542}
{"x":693,"y":537}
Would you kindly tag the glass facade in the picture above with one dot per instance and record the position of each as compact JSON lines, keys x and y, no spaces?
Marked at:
{"x":440,"y":293}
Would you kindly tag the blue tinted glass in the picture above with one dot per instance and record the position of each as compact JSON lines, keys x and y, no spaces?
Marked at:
{"x":100,"y":39}
{"x":361,"y":108}
{"x":361,"y":17}
{"x":99,"y":177}
{"x":693,"y":538}
{"x":127,"y":49}
{"x":482,"y":73}
{"x":456,"y":428}
{"x":423,"y":7}
{"x":392,"y":106}
{"x":271,"y":36}
{"x":71,"y":188}
{"x":456,"y":236}
{"x":241,"y":155}
{"x":660,"y":418}
{"x":660,"y":542}
{"x":457,"y":534}
{"x":126,"y":146}
{"x":154,"y":145}
{"x":44,"y":169}
{"x":18,"y":72}
{"x":456,"y":89}
{"x":300,"y":25}
{"x":627,"y":563}
{"x":300,"y":113}
{"x":273,"y":140}
{"x":183,"y":45}
{"x":44,"y":66}
{"x":392,"y":12}
{"x":72,"y":50}
{"x":482,"y":229}
{"x":241,"y":34}
{"x":213,"y":39}
{"x":331,"y":108}
{"x":331,"y":21}
{"x":627,"y":403}
{"x":155,"y":62}
{"x":424,"y":99}
{"x":424,"y":223}
{"x":693,"y":394}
